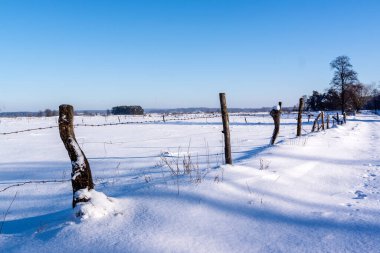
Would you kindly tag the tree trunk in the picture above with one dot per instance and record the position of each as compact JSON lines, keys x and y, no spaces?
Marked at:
{"x":226,"y":128}
{"x":81,"y":173}
{"x":343,"y":95}
{"x":276,"y":115}
{"x":299,"y":119}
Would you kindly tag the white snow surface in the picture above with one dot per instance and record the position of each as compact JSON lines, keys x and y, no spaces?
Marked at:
{"x":97,"y":206}
{"x":316,"y":193}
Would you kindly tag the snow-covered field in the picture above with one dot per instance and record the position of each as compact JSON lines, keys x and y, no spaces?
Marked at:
{"x":316,"y":193}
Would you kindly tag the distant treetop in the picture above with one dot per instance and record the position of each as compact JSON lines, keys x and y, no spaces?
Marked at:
{"x":127,"y":110}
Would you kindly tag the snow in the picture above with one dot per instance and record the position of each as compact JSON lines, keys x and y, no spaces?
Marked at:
{"x":316,"y":193}
{"x":97,"y":206}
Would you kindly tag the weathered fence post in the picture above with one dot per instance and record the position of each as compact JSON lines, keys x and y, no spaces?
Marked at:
{"x":276,"y":115}
{"x":226,"y":128}
{"x":299,"y":119}
{"x":337,"y":118}
{"x":163,"y":118}
{"x":344,"y":117}
{"x":323,"y":120}
{"x":328,"y":121}
{"x":316,"y":122}
{"x":81,"y":178}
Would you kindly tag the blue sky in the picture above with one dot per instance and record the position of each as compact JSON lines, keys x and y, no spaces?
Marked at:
{"x":164,"y":54}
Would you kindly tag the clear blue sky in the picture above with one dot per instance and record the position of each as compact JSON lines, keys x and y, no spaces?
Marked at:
{"x":180,"y":53}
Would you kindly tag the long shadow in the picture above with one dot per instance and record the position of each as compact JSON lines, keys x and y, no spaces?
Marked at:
{"x":22,"y":171}
{"x":272,"y":216}
{"x":52,"y":222}
{"x":251,"y":153}
{"x":365,"y":120}
{"x":303,"y":157}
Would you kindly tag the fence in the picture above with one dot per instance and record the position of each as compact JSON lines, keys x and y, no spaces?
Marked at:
{"x":250,"y":119}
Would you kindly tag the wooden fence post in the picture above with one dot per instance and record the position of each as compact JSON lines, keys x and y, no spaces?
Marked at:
{"x":226,"y":128}
{"x":344,"y":117}
{"x":337,"y":118}
{"x":328,"y":121}
{"x":299,"y":119}
{"x":276,"y":115}
{"x":323,"y":120}
{"x":81,"y":177}
{"x":316,"y":122}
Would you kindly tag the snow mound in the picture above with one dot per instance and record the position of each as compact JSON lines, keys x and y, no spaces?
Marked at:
{"x":97,"y":206}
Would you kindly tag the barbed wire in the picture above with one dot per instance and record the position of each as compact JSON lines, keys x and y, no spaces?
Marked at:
{"x":110,"y":124}
{"x":131,"y":122}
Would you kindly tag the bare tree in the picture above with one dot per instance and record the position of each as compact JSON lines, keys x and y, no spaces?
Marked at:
{"x":344,"y":75}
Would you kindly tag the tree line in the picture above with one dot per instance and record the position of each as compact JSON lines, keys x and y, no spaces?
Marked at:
{"x":346,"y":93}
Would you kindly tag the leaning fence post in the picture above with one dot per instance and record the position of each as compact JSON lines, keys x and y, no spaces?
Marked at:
{"x":299,"y":119}
{"x":226,"y":128}
{"x":81,"y":173}
{"x":316,"y":122}
{"x":276,"y":114}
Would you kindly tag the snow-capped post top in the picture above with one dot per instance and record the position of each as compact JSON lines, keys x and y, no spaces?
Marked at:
{"x":276,"y":114}
{"x":81,"y":177}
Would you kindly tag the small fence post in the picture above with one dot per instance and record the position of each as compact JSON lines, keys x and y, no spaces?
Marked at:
{"x":299,"y":119}
{"x":323,"y":120}
{"x":328,"y":121}
{"x":81,"y":177}
{"x":276,"y":115}
{"x":337,"y":118}
{"x":226,"y":128}
{"x":163,"y":118}
{"x":344,"y":117}
{"x":316,"y":122}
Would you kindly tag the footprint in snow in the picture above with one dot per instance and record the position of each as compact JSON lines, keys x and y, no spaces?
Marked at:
{"x":360,"y":195}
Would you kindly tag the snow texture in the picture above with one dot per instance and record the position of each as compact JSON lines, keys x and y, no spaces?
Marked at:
{"x":97,"y":206}
{"x":316,"y":193}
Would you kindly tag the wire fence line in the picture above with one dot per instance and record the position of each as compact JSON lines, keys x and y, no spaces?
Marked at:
{"x":111,"y":124}
{"x":160,"y":155}
{"x":145,"y":122}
